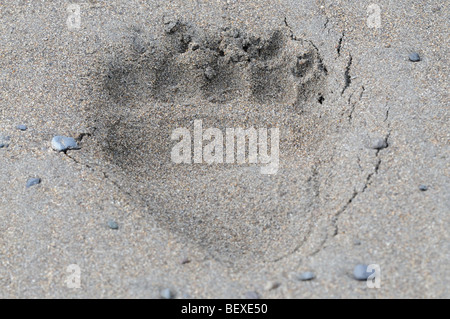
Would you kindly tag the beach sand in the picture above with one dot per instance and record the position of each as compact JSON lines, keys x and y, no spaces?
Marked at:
{"x":363,"y":172}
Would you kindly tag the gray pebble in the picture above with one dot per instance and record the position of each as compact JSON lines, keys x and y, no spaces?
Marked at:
{"x":139,"y":45}
{"x":423,"y":188}
{"x":22,"y":127}
{"x":378,"y":144}
{"x":2,"y":145}
{"x":210,"y":73}
{"x":113,"y":225}
{"x":166,"y":294}
{"x":360,"y":272}
{"x":170,"y":27}
{"x":271,"y":285}
{"x":62,"y":143}
{"x":414,"y":57}
{"x":251,"y":295}
{"x":305,"y":276}
{"x":33,"y":181}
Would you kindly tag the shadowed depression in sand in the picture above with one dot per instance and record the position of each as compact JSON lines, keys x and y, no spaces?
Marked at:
{"x":226,"y":78}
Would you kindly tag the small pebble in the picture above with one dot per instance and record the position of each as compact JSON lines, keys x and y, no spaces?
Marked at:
{"x":414,"y":57}
{"x":2,"y":145}
{"x":251,"y":295}
{"x":305,"y":276}
{"x":166,"y":294}
{"x":436,"y":9}
{"x":378,"y":144}
{"x":423,"y":188}
{"x":210,"y":73}
{"x":185,"y":260}
{"x":62,"y":143}
{"x":271,"y":285}
{"x":139,"y":45}
{"x":195,"y":46}
{"x":360,"y":272}
{"x":357,"y":242}
{"x":113,"y":225}
{"x":22,"y":127}
{"x":33,"y":181}
{"x":170,"y":27}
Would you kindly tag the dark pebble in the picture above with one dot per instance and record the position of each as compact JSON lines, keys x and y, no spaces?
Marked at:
{"x":423,"y":188}
{"x":360,"y":272}
{"x":195,"y":46}
{"x":113,"y":225}
{"x":33,"y":181}
{"x":22,"y":127}
{"x":414,"y":57}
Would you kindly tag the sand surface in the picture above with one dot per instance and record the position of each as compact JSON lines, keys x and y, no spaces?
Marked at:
{"x":331,"y":77}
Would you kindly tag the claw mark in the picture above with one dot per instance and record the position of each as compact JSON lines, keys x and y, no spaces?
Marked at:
{"x":350,"y":116}
{"x":290,"y":30}
{"x":336,"y":217}
{"x":80,"y":136}
{"x":339,"y":46}
{"x":348,"y":79}
{"x":326,"y":23}
{"x":387,"y":114}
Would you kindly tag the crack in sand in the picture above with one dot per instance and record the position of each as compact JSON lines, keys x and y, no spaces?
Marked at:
{"x":367,"y":182}
{"x":104,"y":174}
{"x":339,"y":46}
{"x":350,"y":116}
{"x":325,"y":25}
{"x":347,"y":78}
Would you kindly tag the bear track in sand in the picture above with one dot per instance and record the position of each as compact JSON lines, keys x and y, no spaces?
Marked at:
{"x":228,"y":79}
